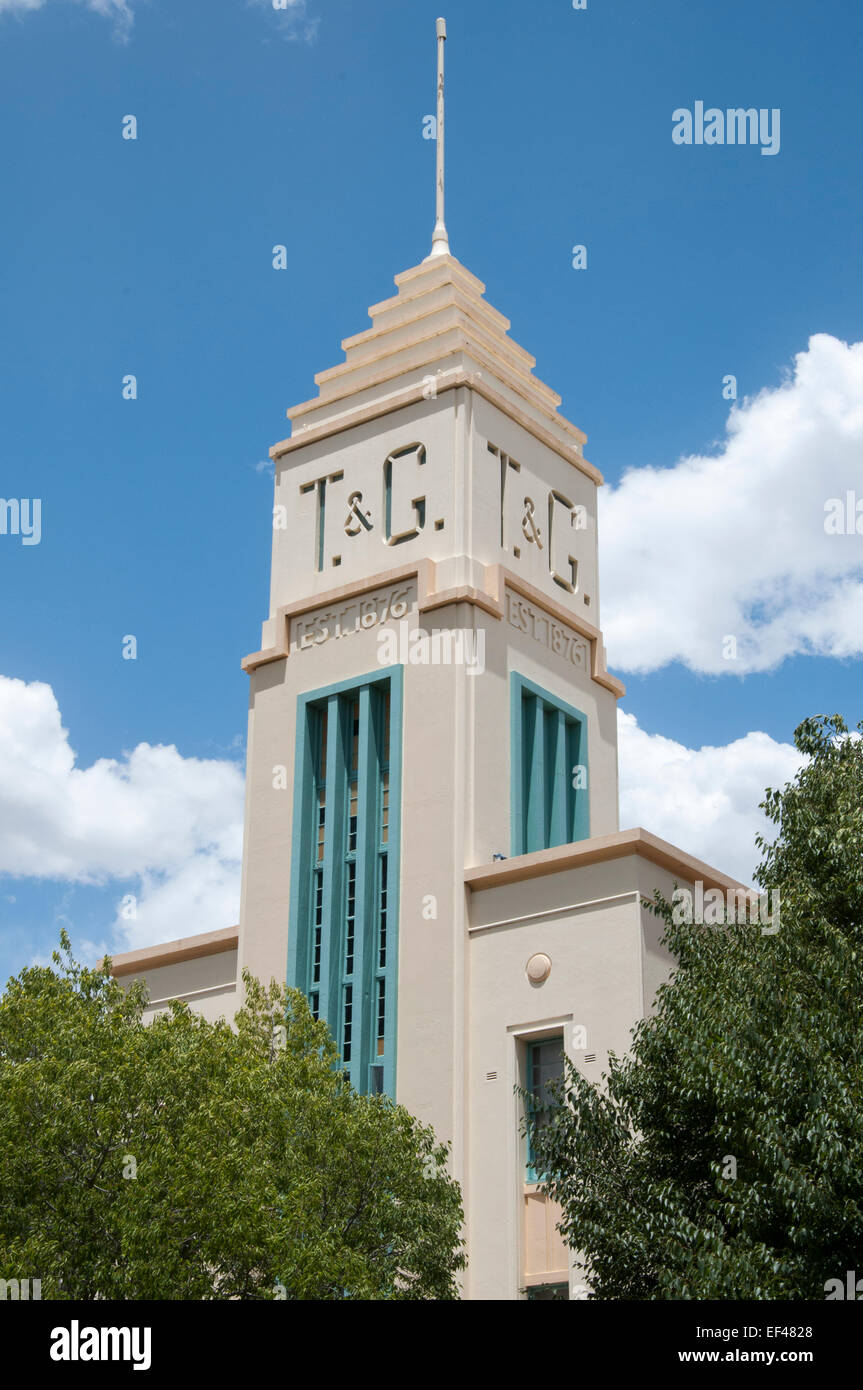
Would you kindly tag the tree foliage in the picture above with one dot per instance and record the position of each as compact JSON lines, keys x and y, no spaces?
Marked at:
{"x":754,"y":1054}
{"x":183,"y":1159}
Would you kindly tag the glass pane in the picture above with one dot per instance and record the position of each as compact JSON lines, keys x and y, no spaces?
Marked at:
{"x":545,"y":1065}
{"x":382,"y":1011}
{"x":382,"y":948}
{"x":385,"y":807}
{"x":347,"y":1032}
{"x":350,"y":918}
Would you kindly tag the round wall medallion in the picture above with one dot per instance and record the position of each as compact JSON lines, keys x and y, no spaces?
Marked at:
{"x":538,"y":969}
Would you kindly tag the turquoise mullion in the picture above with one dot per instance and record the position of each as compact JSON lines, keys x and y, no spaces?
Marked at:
{"x":559,"y":820}
{"x":332,"y":943}
{"x":393,"y":875}
{"x":365,"y":891}
{"x":535,"y":771}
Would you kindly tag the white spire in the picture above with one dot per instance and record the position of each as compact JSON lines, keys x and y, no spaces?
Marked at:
{"x":440,"y":241}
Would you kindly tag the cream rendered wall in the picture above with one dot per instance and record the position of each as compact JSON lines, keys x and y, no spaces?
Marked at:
{"x":208,"y":984}
{"x":456,"y":773}
{"x":593,"y":924}
{"x":465,"y":1006}
{"x":435,"y":800}
{"x":460,"y":482}
{"x":360,"y":454}
{"x":542,"y":470}
{"x":266,"y":882}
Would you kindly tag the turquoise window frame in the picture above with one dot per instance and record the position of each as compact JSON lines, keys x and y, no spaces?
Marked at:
{"x":543,"y":813}
{"x":368,"y":1070}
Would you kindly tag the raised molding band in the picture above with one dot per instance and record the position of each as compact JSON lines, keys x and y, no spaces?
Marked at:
{"x":491,"y":600}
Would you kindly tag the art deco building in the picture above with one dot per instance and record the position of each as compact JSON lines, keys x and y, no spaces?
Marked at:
{"x":432,"y":850}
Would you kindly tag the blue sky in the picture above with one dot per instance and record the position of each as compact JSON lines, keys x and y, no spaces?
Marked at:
{"x":153,"y":257}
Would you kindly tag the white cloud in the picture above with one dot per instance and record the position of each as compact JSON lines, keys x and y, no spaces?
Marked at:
{"x":118,"y":10}
{"x":705,"y":800}
{"x":168,"y":829}
{"x":201,"y":895}
{"x":734,"y":544}
{"x":172,"y":824}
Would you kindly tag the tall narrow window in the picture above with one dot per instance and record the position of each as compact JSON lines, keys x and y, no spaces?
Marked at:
{"x":319,"y":737}
{"x":351,"y":717}
{"x":381,"y":1032}
{"x":550,"y":790}
{"x":343,"y":935}
{"x":545,"y":1065}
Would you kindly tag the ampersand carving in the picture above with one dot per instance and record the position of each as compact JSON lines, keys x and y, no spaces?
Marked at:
{"x":356,"y":519}
{"x":530,"y":530}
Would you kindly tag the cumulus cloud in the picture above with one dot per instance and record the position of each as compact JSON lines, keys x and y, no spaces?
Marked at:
{"x":171,"y":825}
{"x":201,"y":895}
{"x":120,"y":11}
{"x":705,"y":800}
{"x":734,"y":546}
{"x":168,"y":829}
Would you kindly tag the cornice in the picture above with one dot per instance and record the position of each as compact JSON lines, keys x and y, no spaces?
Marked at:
{"x":212,"y":943}
{"x":598,"y":850}
{"x":490,"y":598}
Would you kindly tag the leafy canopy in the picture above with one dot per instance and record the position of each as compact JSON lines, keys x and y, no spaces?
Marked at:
{"x":752,"y":1064}
{"x":183,"y":1159}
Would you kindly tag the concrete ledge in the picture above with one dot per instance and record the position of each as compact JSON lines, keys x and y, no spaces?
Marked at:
{"x":212,"y":943}
{"x":596,"y":851}
{"x":491,"y":600}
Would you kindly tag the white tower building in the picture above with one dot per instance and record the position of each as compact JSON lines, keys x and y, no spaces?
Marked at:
{"x":432,"y":850}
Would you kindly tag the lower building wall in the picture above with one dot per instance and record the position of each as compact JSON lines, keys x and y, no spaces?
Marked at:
{"x":592,"y":924}
{"x":602,"y":941}
{"x":207,"y":984}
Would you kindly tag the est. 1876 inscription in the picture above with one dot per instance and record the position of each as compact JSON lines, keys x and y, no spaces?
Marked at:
{"x":356,"y":615}
{"x":525,"y":617}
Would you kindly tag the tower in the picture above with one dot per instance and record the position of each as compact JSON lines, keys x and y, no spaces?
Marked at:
{"x":433,"y":612}
{"x":432,"y":851}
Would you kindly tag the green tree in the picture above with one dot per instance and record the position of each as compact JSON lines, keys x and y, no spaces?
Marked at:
{"x":188,"y":1160}
{"x":752,"y":1063}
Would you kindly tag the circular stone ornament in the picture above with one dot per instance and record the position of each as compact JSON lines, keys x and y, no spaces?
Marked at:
{"x":538,"y":968}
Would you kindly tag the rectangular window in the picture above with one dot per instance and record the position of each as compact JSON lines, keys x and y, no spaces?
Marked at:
{"x":343,"y":932}
{"x":550,"y":803}
{"x":545,"y":1061}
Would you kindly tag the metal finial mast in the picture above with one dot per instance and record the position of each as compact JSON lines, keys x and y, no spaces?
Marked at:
{"x":440,"y":241}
